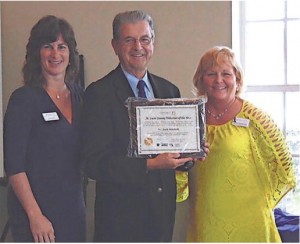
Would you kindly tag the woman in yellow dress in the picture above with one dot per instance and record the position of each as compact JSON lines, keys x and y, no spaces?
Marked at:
{"x":249,"y":168}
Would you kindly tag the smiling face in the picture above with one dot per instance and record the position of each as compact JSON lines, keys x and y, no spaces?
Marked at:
{"x":55,"y":58}
{"x":220,"y":83}
{"x":133,"y":49}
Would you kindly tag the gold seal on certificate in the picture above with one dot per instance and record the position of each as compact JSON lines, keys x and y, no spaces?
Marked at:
{"x":166,"y":125}
{"x":148,"y":141}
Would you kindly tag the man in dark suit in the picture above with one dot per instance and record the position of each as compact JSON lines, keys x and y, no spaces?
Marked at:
{"x":135,"y":198}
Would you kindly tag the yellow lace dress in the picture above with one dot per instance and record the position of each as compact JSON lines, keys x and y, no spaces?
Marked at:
{"x":234,"y":191}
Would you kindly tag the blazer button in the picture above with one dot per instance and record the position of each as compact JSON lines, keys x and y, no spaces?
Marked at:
{"x":159,"y":189}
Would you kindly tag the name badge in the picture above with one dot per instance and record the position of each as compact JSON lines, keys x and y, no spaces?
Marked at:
{"x":52,"y":116}
{"x":241,"y":122}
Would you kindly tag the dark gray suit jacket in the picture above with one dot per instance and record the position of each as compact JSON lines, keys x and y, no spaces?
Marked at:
{"x":132,"y":205}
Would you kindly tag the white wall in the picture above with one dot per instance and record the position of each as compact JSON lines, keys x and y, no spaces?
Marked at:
{"x":184,"y":31}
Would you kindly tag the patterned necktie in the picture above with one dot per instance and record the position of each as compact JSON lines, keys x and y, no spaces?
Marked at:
{"x":141,"y":87}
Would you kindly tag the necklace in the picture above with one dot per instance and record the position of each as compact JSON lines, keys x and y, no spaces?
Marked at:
{"x":58,"y":94}
{"x":218,"y":116}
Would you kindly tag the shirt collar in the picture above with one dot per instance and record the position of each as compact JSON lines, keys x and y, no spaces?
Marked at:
{"x":133,"y":81}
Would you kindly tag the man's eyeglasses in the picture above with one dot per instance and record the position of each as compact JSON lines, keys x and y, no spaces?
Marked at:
{"x":144,"y":41}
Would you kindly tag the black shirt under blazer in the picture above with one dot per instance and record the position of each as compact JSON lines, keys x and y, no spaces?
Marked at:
{"x":132,"y":204}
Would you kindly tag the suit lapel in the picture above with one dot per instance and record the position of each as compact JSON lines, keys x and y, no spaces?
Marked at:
{"x":155,"y":86}
{"x":121,"y":85}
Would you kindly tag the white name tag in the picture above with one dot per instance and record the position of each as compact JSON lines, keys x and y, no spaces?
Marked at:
{"x":52,"y":116}
{"x":241,"y":122}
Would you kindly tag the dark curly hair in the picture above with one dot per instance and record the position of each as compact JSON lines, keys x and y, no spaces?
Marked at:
{"x":47,"y":30}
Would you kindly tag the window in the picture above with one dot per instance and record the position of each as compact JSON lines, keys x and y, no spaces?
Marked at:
{"x":266,"y":38}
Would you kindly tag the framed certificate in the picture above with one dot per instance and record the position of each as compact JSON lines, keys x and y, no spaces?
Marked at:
{"x":166,"y":125}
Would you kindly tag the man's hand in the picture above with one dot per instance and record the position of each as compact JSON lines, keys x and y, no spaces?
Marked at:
{"x":166,"y":161}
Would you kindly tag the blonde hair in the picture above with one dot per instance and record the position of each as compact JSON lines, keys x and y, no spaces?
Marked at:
{"x":214,"y":57}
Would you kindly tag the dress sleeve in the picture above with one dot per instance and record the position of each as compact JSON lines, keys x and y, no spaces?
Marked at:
{"x":17,"y":126}
{"x":182,"y":186}
{"x":271,"y":153}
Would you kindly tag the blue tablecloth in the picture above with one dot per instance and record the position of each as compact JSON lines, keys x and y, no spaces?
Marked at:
{"x":288,"y":225}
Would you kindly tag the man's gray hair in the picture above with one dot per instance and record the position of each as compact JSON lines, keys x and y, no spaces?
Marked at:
{"x":131,"y":17}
